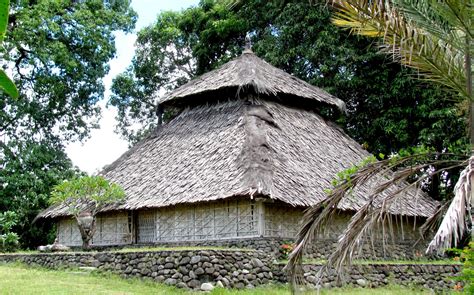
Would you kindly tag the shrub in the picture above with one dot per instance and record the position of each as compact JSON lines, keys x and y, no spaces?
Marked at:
{"x":8,"y":239}
{"x":466,"y":256}
{"x":285,"y":250}
{"x":9,"y":242}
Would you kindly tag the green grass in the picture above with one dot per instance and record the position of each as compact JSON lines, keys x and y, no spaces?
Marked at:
{"x":142,"y":249}
{"x":20,"y":279}
{"x":197,"y":248}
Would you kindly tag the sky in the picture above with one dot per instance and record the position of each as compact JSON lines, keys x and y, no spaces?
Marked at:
{"x":104,"y":146}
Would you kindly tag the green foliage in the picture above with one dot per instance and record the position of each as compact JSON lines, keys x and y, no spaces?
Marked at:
{"x":8,"y":239}
{"x":27,"y":176}
{"x":92,"y":190}
{"x":5,"y":83}
{"x":58,"y":52}
{"x":467,"y":273}
{"x":387,"y":108}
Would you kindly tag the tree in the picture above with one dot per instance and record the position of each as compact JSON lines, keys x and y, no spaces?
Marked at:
{"x":380,"y":95}
{"x":6,"y":83}
{"x":85,"y":197}
{"x":435,"y":38}
{"x":26,"y":179}
{"x":57,"y":52}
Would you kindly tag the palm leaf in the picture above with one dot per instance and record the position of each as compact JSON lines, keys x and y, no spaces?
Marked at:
{"x":4,"y":9}
{"x":453,"y":225}
{"x":438,"y":53}
{"x":7,"y":85}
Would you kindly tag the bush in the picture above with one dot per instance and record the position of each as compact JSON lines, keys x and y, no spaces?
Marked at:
{"x":467,"y":273}
{"x":9,"y":242}
{"x":8,"y":239}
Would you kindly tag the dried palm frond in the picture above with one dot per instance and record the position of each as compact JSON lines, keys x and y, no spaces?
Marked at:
{"x":453,"y":225}
{"x":376,"y":211}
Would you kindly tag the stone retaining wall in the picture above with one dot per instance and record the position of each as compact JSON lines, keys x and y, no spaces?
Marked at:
{"x":429,"y":276}
{"x":403,"y":249}
{"x":234,"y":269}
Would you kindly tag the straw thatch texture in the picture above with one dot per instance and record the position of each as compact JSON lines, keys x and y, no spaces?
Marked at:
{"x":250,"y":72}
{"x":242,"y":148}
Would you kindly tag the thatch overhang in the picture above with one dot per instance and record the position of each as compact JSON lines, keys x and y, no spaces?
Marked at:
{"x":249,"y":74}
{"x":243,"y":148}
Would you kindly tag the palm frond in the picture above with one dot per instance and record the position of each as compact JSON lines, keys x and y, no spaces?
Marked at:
{"x":375,"y":212}
{"x":438,"y":53}
{"x":454,"y":222}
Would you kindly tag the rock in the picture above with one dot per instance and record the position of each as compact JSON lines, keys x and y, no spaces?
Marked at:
{"x":361,"y":282}
{"x":199,"y":271}
{"x":170,"y":281}
{"x":185,"y":260}
{"x":46,"y":248}
{"x":206,"y":287}
{"x":195,"y":259}
{"x":257,"y":262}
{"x":210,"y":270}
{"x":181,"y":285}
{"x":56,"y":247}
{"x":219,"y":284}
{"x":226,"y":282}
{"x":194,"y":284}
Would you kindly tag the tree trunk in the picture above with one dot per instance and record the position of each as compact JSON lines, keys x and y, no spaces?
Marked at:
{"x":468,"y":65}
{"x":86,"y":233}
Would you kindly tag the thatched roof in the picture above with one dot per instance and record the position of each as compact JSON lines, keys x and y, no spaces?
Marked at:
{"x":249,"y":72}
{"x":244,"y":148}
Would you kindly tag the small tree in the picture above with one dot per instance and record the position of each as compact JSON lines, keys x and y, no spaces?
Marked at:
{"x":85,"y":197}
{"x":8,"y":239}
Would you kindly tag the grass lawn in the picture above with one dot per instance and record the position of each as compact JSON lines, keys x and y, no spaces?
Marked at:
{"x":20,"y":279}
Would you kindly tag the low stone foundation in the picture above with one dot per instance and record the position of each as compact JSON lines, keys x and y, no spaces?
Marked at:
{"x":429,"y":276}
{"x":405,"y":249}
{"x":234,"y":268}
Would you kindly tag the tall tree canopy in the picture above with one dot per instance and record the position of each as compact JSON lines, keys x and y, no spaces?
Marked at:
{"x":388,"y":109}
{"x":57,"y":52}
{"x":435,"y":38}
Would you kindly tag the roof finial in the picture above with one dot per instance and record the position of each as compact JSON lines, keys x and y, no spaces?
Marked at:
{"x":248,"y":44}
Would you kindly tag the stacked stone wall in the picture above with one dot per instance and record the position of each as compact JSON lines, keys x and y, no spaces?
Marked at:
{"x":235,"y":269}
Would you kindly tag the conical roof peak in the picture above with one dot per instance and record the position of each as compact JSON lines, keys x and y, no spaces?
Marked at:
{"x":248,"y":71}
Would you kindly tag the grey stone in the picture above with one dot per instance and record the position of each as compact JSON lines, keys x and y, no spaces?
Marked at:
{"x":199,"y":271}
{"x":226,"y":282}
{"x":361,"y":282}
{"x":194,"y":284}
{"x":219,"y":284}
{"x":185,"y":260}
{"x":181,"y":285}
{"x":195,"y":259}
{"x":257,"y":262}
{"x":206,"y":287}
{"x":170,"y":281}
{"x":210,"y":270}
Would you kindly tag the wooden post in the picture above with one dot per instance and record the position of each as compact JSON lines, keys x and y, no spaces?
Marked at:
{"x":261,"y":217}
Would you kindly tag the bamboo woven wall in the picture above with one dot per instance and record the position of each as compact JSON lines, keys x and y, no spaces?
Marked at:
{"x":282,"y":221}
{"x":111,"y":229}
{"x":209,"y":221}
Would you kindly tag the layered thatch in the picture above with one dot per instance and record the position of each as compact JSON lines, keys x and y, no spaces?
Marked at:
{"x":243,"y":148}
{"x":250,"y":73}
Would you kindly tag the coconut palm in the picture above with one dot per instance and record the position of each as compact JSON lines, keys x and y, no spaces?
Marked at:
{"x":434,"y":37}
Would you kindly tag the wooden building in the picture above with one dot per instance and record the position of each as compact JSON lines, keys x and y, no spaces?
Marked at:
{"x":247,"y":153}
